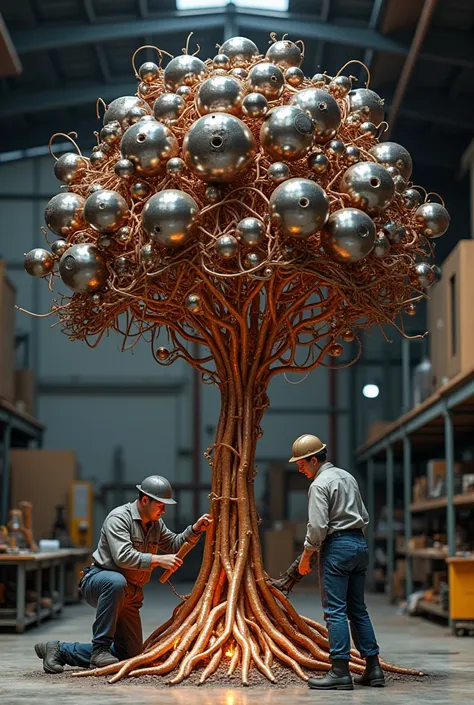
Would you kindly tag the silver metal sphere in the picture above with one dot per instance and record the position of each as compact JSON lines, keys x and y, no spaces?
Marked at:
{"x":250,"y":231}
{"x":382,"y":245}
{"x":348,"y":335}
{"x":335,"y":350}
{"x":410,"y":310}
{"x":393,"y":154}
{"x":437,"y":273}
{"x":368,"y":103}
{"x":255,"y":105}
{"x":143,"y":88}
{"x":149,"y":145}
{"x":433,"y":218}
{"x":213,"y":194}
{"x":352,"y":154}
{"x":193,"y":303}
{"x":294,"y":76}
{"x":348,"y":236}
{"x":59,"y":247}
{"x":299,"y":207}
{"x":175,"y":166}
{"x":83,"y":269}
{"x":287,"y":133}
{"x":240,"y":73}
{"x":219,"y":147}
{"x":93,"y":188}
{"x":97,"y":158}
{"x":111,"y":133}
{"x":140,"y":190}
{"x":318,"y":162}
{"x":322,"y":109}
{"x":149,"y":71}
{"x":268,"y":272}
{"x":124,"y":169}
{"x":220,"y":94}
{"x":394,"y":232}
{"x":393,"y":171}
{"x":227,"y":246}
{"x":126,"y":110}
{"x":412,"y":198}
{"x":163,"y":354}
{"x":39,"y":262}
{"x":267,"y":79}
{"x":336,"y":148}
{"x":184,"y":70}
{"x":423,"y":275}
{"x":221,"y":61}
{"x":341,"y":85}
{"x":400,"y":183}
{"x":168,"y":107}
{"x":104,"y":242}
{"x":285,"y":54}
{"x":123,"y":235}
{"x":169,"y":217}
{"x":147,"y":254}
{"x":368,"y":129}
{"x":106,"y":211}
{"x":369,"y":185}
{"x":64,"y":213}
{"x":252,"y":260}
{"x":185,"y":92}
{"x":122,"y":265}
{"x":320,"y":78}
{"x":278,"y":172}
{"x":70,"y":167}
{"x":240,"y":50}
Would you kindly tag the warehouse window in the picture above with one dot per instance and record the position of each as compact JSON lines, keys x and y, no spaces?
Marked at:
{"x":279,"y":5}
{"x":453,"y":303}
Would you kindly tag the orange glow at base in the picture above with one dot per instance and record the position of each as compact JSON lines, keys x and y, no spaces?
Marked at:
{"x":230,"y":651}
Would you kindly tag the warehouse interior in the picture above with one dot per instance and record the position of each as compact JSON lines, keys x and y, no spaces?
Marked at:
{"x":81,"y":426}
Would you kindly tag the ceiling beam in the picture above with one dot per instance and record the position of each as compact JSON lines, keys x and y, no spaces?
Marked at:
{"x":10,"y":64}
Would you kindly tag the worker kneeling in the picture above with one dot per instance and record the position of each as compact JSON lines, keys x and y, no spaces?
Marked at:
{"x":130,"y":539}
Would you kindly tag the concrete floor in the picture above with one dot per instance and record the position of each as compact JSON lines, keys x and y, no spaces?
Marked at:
{"x":410,"y":642}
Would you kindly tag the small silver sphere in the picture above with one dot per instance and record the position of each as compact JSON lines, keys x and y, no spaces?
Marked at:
{"x":335,"y":350}
{"x":59,"y":247}
{"x":168,"y":107}
{"x":394,"y":232}
{"x":149,"y":145}
{"x":140,"y":190}
{"x":126,"y":110}
{"x":347,"y":335}
{"x":64,"y":213}
{"x":124,"y":169}
{"x":287,"y":133}
{"x":163,"y":354}
{"x":423,"y":275}
{"x":267,"y":79}
{"x":122,"y":265}
{"x":348,"y":236}
{"x":220,"y":94}
{"x":294,"y":76}
{"x":340,"y":85}
{"x":318,"y":162}
{"x":336,"y":148}
{"x":97,"y":158}
{"x":320,"y":78}
{"x":393,"y":171}
{"x":227,"y":246}
{"x":382,"y":245}
{"x":433,"y":218}
{"x":410,"y":310}
{"x":149,"y":71}
{"x":175,"y":166}
{"x":285,"y":54}
{"x":368,"y":103}
{"x":39,"y":262}
{"x":221,"y":61}
{"x":123,"y":235}
{"x":240,"y":50}
{"x":184,"y":70}
{"x":193,"y":303}
{"x":369,"y":185}
{"x":368,"y":129}
{"x":93,"y":188}
{"x":250,"y":231}
{"x":352,"y":154}
{"x":104,"y":242}
{"x":70,"y":167}
{"x":147,"y":254}
{"x":412,"y":198}
{"x":213,"y":194}
{"x":437,"y":273}
{"x":278,"y":172}
{"x":169,"y":217}
{"x":400,"y":183}
{"x":185,"y":92}
{"x":393,"y":154}
{"x":255,"y":105}
{"x":299,"y":207}
{"x":322,"y":109}
{"x":268,"y":272}
{"x":143,"y":88}
{"x":219,"y":147}
{"x":83,"y":269}
{"x":252,"y":260}
{"x":106,"y":211}
{"x":111,"y":133}
{"x":240,"y":73}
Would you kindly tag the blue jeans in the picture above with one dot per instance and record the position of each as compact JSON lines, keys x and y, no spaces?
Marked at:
{"x":117,"y":621}
{"x":343,"y":564}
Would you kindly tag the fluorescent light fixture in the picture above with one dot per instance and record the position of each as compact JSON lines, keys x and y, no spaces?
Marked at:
{"x":370,"y":391}
{"x":273,"y":5}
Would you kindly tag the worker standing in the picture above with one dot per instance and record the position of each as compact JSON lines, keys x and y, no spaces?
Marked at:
{"x":130,"y":539}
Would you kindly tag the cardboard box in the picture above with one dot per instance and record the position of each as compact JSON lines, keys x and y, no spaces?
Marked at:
{"x":7,"y":335}
{"x":25,"y":391}
{"x":417,"y":542}
{"x":278,"y":551}
{"x":421,"y":570}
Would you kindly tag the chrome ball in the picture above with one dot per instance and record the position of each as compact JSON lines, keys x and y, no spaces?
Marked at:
{"x":64,"y":213}
{"x":410,"y":310}
{"x":400,"y":183}
{"x":163,"y":354}
{"x":267,"y":79}
{"x":220,"y":94}
{"x":175,"y":166}
{"x":39,"y":262}
{"x":348,"y":335}
{"x":168,"y":107}
{"x":70,"y":167}
{"x":97,"y":158}
{"x":219,"y":147}
{"x":393,"y":154}
{"x":437,"y":273}
{"x":193,"y":303}
{"x":147,"y":254}
{"x":59,"y":247}
{"x":369,"y":186}
{"x":268,"y":272}
{"x":254,"y":105}
{"x":318,"y":162}
{"x":348,"y":236}
{"x":368,"y":103}
{"x":252,"y":260}
{"x":336,"y":148}
{"x":213,"y":194}
{"x":299,"y":208}
{"x":423,"y":275}
{"x":140,"y":190}
{"x":149,"y":72}
{"x":393,"y":171}
{"x":93,"y":188}
{"x":126,"y":110}
{"x":285,"y":54}
{"x":368,"y":129}
{"x":394,"y":232}
{"x":294,"y":76}
{"x":341,"y":85}
{"x":322,"y":109}
{"x":104,"y":242}
{"x":352,"y":154}
{"x":287,"y":133}
{"x":83,"y":269}
{"x":382,"y":245}
{"x":169,"y":217}
{"x":320,"y":78}
{"x":106,"y":211}
{"x":240,"y":50}
{"x":335,"y":350}
{"x":240,"y":73}
{"x":221,"y":61}
{"x":149,"y":145}
{"x":412,"y":198}
{"x":278,"y":172}
{"x":433,"y":218}
{"x":184,"y":70}
{"x":123,"y":235}
{"x":111,"y":133}
{"x":124,"y":169}
{"x":227,"y":246}
{"x":184,"y":92}
{"x":143,"y":88}
{"x":250,"y":231}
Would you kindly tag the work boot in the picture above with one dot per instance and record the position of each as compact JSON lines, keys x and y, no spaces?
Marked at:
{"x":53,"y":660}
{"x":373,"y":674}
{"x":338,"y":678}
{"x":101,"y":656}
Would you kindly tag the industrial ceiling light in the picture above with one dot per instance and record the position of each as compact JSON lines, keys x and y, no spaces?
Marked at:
{"x":370,"y":391}
{"x":278,"y":5}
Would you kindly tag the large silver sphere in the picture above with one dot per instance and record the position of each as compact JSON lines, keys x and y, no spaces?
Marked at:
{"x":299,"y":207}
{"x":227,"y":246}
{"x":278,"y":172}
{"x":106,"y":211}
{"x":111,"y":133}
{"x":433,"y":218}
{"x":254,"y":105}
{"x":149,"y":71}
{"x":219,"y":147}
{"x":126,"y":110}
{"x":220,"y":94}
{"x":59,"y":247}
{"x":169,"y":217}
{"x":250,"y":231}
{"x":287,"y":133}
{"x":240,"y":50}
{"x":184,"y":70}
{"x":149,"y":145}
{"x":83,"y":269}
{"x":285,"y":54}
{"x":124,"y":169}
{"x":348,"y":236}
{"x":382,"y":245}
{"x":63,"y":214}
{"x":412,"y":198}
{"x":168,"y":107}
{"x":322,"y":109}
{"x":70,"y":167}
{"x":393,"y":154}
{"x":39,"y":262}
{"x":423,"y":275}
{"x":368,"y":103}
{"x":369,"y":186}
{"x":267,"y":79}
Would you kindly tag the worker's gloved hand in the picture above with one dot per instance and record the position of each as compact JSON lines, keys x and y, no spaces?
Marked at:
{"x":168,"y":561}
{"x":287,"y":581}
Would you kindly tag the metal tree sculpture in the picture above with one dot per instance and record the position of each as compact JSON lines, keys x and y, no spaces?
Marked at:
{"x":253,"y":213}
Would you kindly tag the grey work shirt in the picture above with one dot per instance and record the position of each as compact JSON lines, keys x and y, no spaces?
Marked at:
{"x":335,"y":504}
{"x":125,"y":545}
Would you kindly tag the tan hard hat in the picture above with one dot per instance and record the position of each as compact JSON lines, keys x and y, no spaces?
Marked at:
{"x":305,"y":446}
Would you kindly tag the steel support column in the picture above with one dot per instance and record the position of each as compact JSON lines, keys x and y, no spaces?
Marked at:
{"x":5,"y":493}
{"x":449,"y":456}
{"x":407,"y":488}
{"x":371,"y":527}
{"x":390,"y":551}
{"x":406,"y":405}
